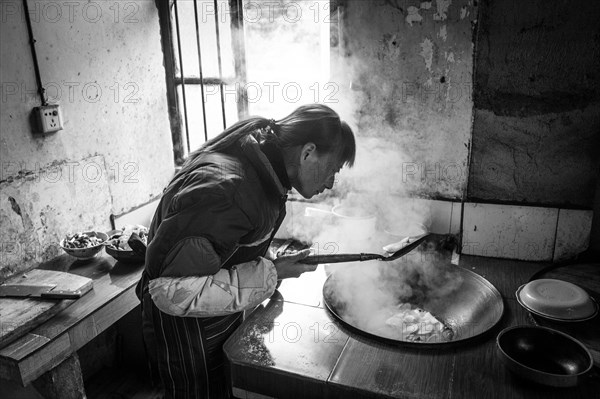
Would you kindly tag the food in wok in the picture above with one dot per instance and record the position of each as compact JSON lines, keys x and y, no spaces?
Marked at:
{"x":413,"y":324}
{"x":422,"y":300}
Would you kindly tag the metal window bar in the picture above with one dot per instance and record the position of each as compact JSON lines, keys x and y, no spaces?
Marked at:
{"x":203,"y":80}
{"x":239,"y":55}
{"x":219,"y":61}
{"x":238,"y":47}
{"x":187,"y":131}
{"x":167,"y":40}
{"x":200,"y":71}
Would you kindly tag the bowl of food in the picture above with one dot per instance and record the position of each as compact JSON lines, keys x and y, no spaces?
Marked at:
{"x":544,"y":355}
{"x":83,"y":245}
{"x":118,"y":247}
{"x":557,"y":300}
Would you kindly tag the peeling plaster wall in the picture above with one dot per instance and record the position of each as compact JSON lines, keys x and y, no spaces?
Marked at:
{"x":405,"y":69}
{"x":103,"y":63}
{"x":537,"y":103}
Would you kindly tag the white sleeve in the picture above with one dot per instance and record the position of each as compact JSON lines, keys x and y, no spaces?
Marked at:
{"x":242,"y":287}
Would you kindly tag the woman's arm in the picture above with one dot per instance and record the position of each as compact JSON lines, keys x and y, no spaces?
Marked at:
{"x":242,"y":287}
{"x":199,"y":233}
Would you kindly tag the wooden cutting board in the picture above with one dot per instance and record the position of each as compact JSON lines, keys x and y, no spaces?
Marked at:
{"x":20,"y":315}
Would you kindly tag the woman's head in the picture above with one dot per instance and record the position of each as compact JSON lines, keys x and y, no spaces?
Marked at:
{"x":316,"y":145}
{"x":318,"y":124}
{"x":314,"y":141}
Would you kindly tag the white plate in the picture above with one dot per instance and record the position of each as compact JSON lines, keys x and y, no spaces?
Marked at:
{"x":557,"y":300}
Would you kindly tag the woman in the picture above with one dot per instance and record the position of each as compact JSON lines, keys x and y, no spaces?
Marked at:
{"x":207,"y":258}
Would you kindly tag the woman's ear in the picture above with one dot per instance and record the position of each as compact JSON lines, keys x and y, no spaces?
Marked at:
{"x":307,"y":150}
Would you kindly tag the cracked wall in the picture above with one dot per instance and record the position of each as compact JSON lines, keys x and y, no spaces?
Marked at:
{"x":103,"y":64}
{"x":536,"y":121}
{"x":405,"y":68}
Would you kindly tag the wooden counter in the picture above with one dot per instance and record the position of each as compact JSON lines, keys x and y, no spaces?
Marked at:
{"x":51,"y":343}
{"x":290,"y":347}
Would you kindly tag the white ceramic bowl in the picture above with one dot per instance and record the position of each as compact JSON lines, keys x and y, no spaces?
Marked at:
{"x":557,"y":300}
{"x":89,"y":252}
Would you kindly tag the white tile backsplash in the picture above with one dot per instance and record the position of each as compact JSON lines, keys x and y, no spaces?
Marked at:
{"x":508,"y":231}
{"x":573,"y":233}
{"x":411,"y":213}
{"x":440,"y":216}
{"x":456,"y":217}
{"x":491,"y":230}
{"x":302,"y":220}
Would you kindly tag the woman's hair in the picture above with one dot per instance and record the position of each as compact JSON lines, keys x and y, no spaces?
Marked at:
{"x":314,"y":123}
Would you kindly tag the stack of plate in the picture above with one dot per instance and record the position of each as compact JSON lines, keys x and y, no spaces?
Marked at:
{"x":557,"y":300}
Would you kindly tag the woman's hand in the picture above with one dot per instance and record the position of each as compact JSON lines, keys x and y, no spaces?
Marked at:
{"x":289,"y":266}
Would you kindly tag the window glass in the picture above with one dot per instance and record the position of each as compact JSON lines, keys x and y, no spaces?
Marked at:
{"x":287,"y":54}
{"x":214,"y":115}
{"x":208,"y":38}
{"x":286,"y":60}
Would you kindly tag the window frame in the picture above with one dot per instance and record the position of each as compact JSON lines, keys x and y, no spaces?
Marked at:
{"x":171,"y":46}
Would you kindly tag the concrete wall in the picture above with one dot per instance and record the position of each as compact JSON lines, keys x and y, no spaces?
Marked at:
{"x":103,"y":63}
{"x":404,"y":71}
{"x":537,"y":103}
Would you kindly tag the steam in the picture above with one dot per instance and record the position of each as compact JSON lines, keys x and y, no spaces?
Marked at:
{"x":381,"y":189}
{"x":282,"y":55}
{"x":368,"y":294}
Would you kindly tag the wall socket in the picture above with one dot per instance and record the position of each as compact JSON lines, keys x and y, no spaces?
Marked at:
{"x":49,"y":118}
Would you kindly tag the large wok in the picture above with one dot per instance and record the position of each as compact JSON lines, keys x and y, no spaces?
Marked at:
{"x":470,"y":310}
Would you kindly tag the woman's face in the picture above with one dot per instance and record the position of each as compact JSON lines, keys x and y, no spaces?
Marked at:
{"x":316,"y":171}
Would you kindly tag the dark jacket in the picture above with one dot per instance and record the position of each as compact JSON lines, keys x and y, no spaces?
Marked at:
{"x":212,"y":229}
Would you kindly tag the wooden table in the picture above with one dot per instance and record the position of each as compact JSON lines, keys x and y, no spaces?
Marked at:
{"x":290,"y":347}
{"x":49,"y":350}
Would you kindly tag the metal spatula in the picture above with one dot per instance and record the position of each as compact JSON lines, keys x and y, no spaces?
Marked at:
{"x":340,"y":258}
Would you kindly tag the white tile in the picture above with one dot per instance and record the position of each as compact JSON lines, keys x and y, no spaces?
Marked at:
{"x":573,"y":233}
{"x":440,"y":216}
{"x":455,"y":218}
{"x":401,"y":217}
{"x":506,"y":231}
{"x":303,"y":219}
{"x":433,"y":214}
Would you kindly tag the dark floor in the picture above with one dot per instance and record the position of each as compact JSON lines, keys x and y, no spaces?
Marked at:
{"x":118,"y":383}
{"x":108,"y":383}
{"x":113,"y":383}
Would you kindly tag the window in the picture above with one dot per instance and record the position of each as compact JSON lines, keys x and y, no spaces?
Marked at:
{"x":227,"y":59}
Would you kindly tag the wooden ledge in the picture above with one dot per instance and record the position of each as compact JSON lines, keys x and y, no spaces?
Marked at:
{"x":55,"y":340}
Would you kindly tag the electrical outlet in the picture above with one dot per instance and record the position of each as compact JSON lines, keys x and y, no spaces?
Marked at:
{"x":49,"y":117}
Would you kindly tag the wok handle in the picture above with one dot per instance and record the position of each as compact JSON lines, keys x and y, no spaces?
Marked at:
{"x":339,"y":258}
